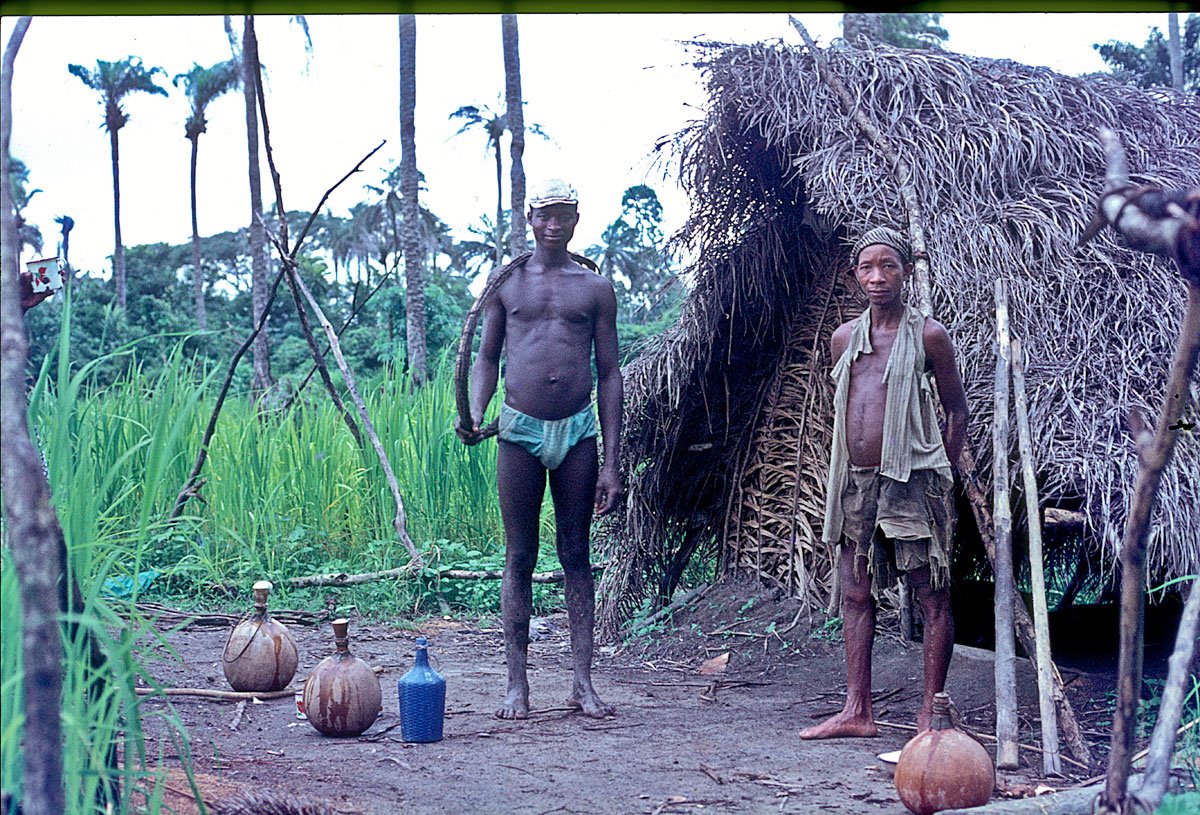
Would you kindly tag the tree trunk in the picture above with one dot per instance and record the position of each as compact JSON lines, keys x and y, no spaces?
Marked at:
{"x":32,"y":526}
{"x":855,"y":26}
{"x":414,"y":273}
{"x":499,"y":230}
{"x":118,"y":248}
{"x":1175,"y":51}
{"x":258,"y":259}
{"x":197,"y":272}
{"x":517,"y":240}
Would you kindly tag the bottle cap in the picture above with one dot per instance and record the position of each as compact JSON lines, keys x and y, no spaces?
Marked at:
{"x":422,"y":642}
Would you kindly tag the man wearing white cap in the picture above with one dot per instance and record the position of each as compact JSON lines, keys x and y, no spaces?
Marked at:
{"x":547,"y":316}
{"x":888,"y":497}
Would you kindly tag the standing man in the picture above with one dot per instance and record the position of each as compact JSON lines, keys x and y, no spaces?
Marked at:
{"x":548,"y":316}
{"x":888,"y":499}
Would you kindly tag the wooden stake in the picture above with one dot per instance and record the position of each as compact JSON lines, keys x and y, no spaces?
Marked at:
{"x":1051,"y":764}
{"x":1005,"y":665}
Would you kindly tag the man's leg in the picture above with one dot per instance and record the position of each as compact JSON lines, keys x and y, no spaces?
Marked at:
{"x":521,"y":480}
{"x":573,"y":488}
{"x":939,"y":637}
{"x":858,"y":631}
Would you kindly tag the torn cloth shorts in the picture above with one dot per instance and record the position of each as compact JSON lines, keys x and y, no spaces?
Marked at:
{"x":548,"y":439}
{"x":899,"y":526}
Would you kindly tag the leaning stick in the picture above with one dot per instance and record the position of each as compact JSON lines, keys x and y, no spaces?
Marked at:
{"x":331,"y":335}
{"x":289,"y":264}
{"x":1051,"y":765}
{"x":967,"y":470}
{"x":1175,"y":236}
{"x":908,"y":192}
{"x":1005,"y":665}
{"x":289,"y":258}
{"x":462,"y":363}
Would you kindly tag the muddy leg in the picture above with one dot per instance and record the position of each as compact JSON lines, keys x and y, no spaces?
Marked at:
{"x":939,"y":638}
{"x":521,"y":481}
{"x":858,"y":631}
{"x":573,"y":488}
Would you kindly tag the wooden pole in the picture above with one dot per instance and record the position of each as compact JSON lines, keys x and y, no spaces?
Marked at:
{"x":1006,"y":660}
{"x":1051,"y":763}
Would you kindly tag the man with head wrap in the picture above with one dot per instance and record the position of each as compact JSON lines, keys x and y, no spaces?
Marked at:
{"x":888,"y":497}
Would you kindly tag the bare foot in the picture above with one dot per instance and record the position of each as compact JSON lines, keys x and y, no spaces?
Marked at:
{"x":843,"y":725}
{"x":591,"y":705}
{"x":516,"y":705}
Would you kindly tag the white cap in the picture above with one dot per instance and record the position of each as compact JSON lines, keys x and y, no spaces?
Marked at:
{"x":552,"y":191}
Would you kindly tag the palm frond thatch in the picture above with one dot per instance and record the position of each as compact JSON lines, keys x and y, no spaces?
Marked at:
{"x":728,"y":416}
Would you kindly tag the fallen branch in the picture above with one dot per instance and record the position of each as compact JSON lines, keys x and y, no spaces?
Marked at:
{"x":219,"y":695}
{"x":183,"y":619}
{"x":678,"y":604}
{"x":343,"y":579}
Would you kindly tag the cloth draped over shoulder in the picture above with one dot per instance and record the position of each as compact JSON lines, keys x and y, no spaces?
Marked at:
{"x":912,"y":439}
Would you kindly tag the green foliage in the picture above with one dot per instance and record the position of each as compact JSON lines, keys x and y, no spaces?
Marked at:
{"x":115,"y":81}
{"x":630,"y":252}
{"x":1149,"y":65}
{"x":922,"y":30}
{"x":101,"y":710}
{"x":1187,"y":803}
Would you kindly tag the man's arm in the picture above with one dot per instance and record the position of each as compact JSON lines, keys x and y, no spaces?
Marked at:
{"x":610,"y":396}
{"x":485,"y":371}
{"x":940,"y":351}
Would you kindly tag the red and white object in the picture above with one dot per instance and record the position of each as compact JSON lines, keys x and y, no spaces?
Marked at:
{"x":48,"y":274}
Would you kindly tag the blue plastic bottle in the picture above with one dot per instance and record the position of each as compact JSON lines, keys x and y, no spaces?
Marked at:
{"x":422,"y":699}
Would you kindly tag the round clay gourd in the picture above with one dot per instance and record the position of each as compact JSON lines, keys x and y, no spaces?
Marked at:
{"x":260,"y":654}
{"x":342,"y":696}
{"x":943,"y":768}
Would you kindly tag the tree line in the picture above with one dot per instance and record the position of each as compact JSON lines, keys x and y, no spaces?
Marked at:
{"x":397,"y":270}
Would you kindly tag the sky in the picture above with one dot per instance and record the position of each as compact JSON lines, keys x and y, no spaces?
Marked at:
{"x":605,"y":88}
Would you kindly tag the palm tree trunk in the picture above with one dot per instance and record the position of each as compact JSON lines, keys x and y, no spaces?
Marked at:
{"x":258,"y":260}
{"x":32,"y":525}
{"x":414,"y":273}
{"x":499,"y":206}
{"x":118,"y":248}
{"x":197,"y":272}
{"x":517,"y":241}
{"x":1175,"y":51}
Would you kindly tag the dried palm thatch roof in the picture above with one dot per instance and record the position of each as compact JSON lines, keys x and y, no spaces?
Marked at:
{"x":728,"y":416}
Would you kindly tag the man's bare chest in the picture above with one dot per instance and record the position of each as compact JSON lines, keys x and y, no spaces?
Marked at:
{"x":549,"y":307}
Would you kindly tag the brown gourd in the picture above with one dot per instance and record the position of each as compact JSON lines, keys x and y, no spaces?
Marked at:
{"x":943,"y":768}
{"x":342,"y":696}
{"x":260,"y":654}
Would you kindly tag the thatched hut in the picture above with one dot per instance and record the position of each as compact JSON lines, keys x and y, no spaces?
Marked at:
{"x":728,"y":415}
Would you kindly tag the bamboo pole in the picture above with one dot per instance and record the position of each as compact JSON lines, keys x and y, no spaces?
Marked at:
{"x":1051,"y":764}
{"x":967,"y":469}
{"x":1005,"y":664}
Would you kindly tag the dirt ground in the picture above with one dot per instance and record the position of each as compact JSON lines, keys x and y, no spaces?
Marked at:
{"x":682,"y":742}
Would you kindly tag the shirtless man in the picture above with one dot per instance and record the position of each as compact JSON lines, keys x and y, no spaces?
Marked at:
{"x":888,"y":498}
{"x":549,"y":315}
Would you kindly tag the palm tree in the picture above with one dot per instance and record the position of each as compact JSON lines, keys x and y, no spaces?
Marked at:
{"x":414,"y":273}
{"x":518,"y":240}
{"x":494,"y":125}
{"x":202,"y":85}
{"x":114,"y":81}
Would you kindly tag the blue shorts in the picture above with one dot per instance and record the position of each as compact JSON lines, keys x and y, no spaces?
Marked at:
{"x":548,"y":439}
